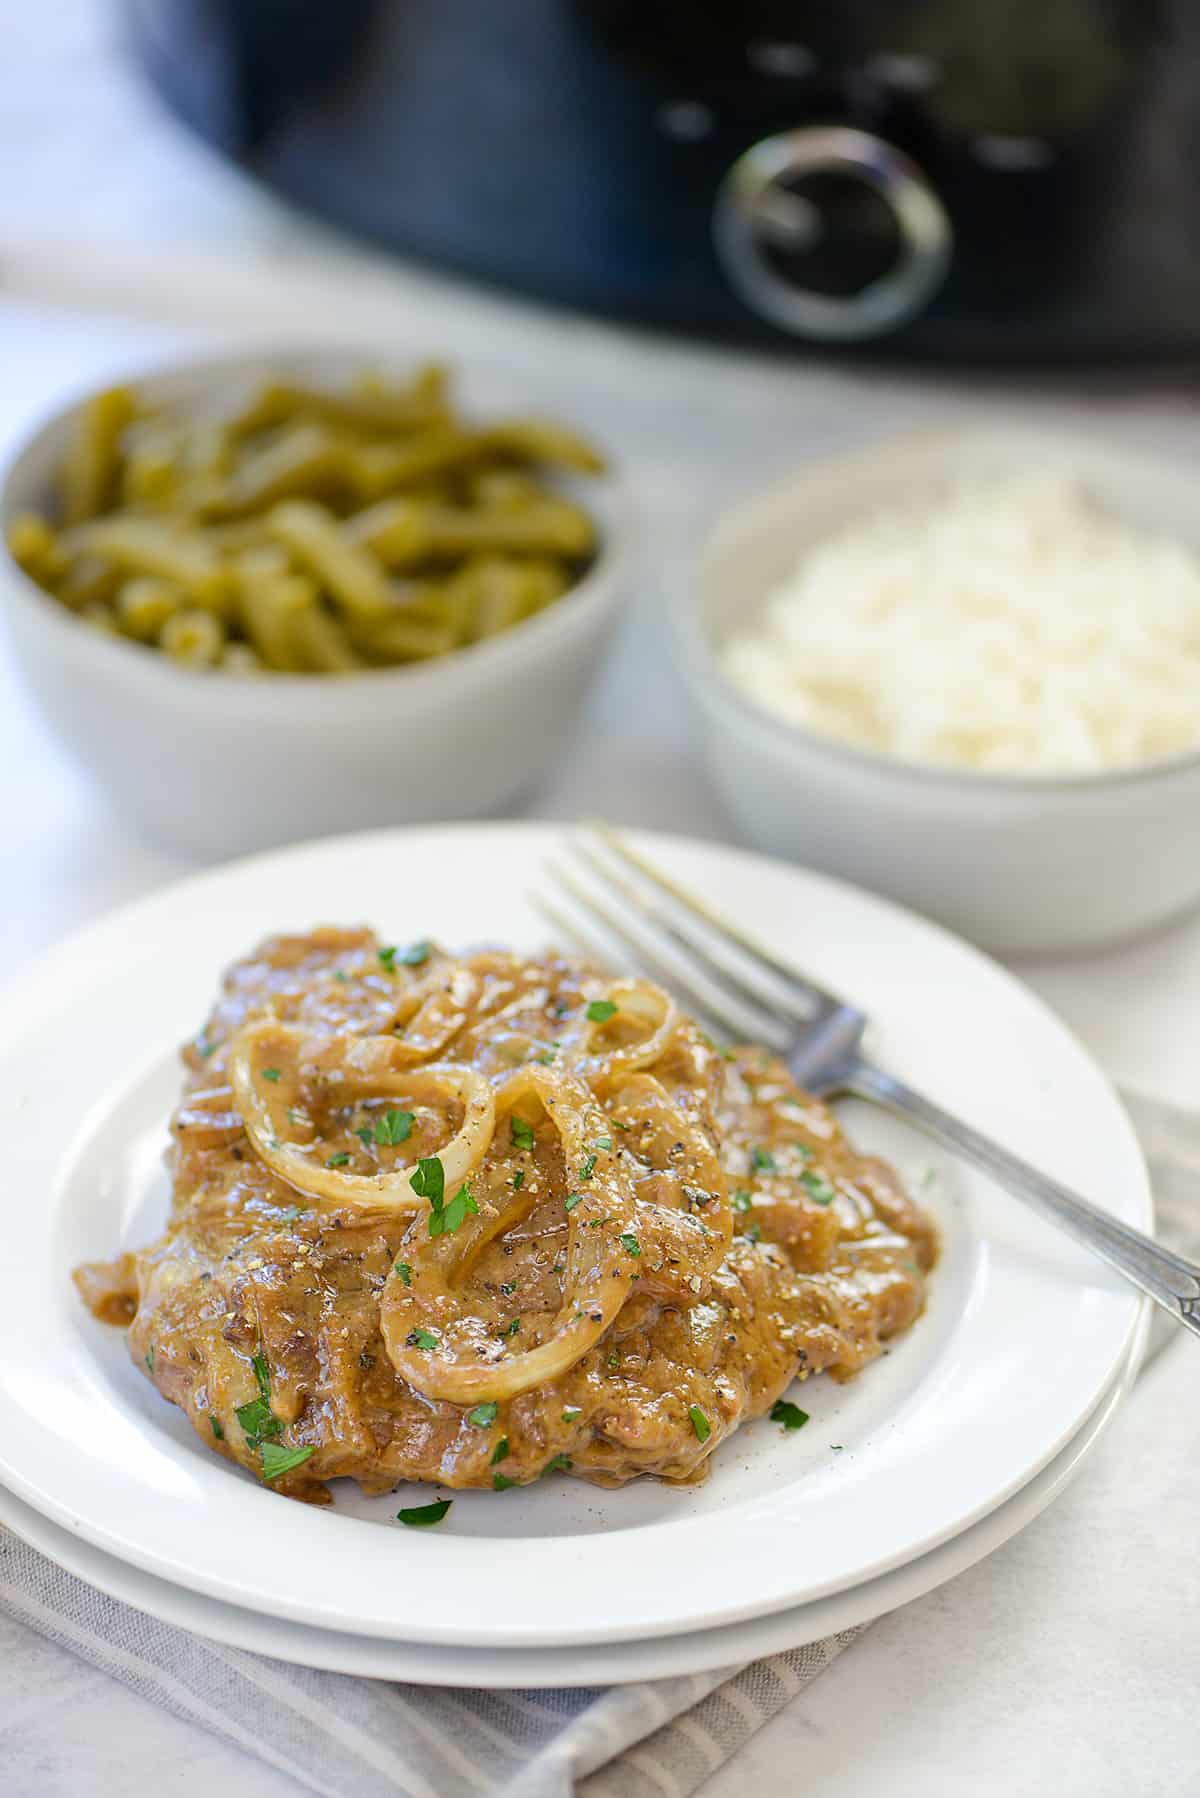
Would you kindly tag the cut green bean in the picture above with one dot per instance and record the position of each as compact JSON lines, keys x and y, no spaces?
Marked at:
{"x":301,"y":461}
{"x":34,"y":546}
{"x":159,"y":547}
{"x":322,"y":643}
{"x":350,"y":570}
{"x":91,"y":469}
{"x":193,"y":637}
{"x":143,"y":606}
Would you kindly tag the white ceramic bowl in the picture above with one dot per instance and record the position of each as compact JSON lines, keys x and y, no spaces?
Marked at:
{"x":222,"y":764}
{"x":1017,"y":863}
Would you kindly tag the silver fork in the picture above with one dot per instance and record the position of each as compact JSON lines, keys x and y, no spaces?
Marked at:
{"x":738,"y":985}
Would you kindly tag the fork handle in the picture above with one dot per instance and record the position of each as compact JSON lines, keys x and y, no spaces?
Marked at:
{"x":1169,"y":1279}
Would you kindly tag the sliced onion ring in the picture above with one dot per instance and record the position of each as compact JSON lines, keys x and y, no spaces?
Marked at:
{"x":649,"y":1005}
{"x":206,"y":1119}
{"x":264,"y":1106}
{"x":596,"y":1285}
{"x":432,"y":1013}
{"x":685,"y":1250}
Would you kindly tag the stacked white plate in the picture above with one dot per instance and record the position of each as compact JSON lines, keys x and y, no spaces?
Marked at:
{"x":935,"y":1455}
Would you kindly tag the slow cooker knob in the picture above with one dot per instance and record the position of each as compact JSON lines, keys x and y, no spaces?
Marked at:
{"x":831,"y":233}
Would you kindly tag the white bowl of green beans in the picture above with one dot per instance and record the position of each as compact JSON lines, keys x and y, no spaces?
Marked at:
{"x":262,"y":597}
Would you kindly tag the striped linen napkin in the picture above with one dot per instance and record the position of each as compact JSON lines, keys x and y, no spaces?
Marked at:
{"x":357,"y":1738}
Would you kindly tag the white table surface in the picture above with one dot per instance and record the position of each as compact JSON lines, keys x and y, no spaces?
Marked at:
{"x":1068,"y":1661}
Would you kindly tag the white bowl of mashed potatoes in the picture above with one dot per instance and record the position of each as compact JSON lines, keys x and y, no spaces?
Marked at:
{"x":963,"y":668}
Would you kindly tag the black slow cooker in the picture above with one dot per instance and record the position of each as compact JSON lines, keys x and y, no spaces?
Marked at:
{"x":946,"y":178}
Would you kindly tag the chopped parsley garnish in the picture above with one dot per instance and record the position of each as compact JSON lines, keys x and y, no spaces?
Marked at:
{"x":605,"y":1143}
{"x":271,"y":1074}
{"x":588,"y":1167}
{"x":837,"y":1447}
{"x":444,"y":1220}
{"x":259,"y":1422}
{"x":556,"y":1464}
{"x":600,"y":1010}
{"x":365,"y":1135}
{"x":545,"y":1056}
{"x":422,"y":1339}
{"x":483,"y":1415}
{"x":394,"y":1127}
{"x":340,"y":974}
{"x":518,"y":1179}
{"x":819,"y":1187}
{"x":790,"y":1416}
{"x":404,"y":1271}
{"x":338,"y":1160}
{"x":762,"y":1161}
{"x":419,"y":1517}
{"x":429,"y":1181}
{"x":204,"y":1047}
{"x":630,"y":1244}
{"x":277,"y":1460}
{"x":802,"y":1149}
{"x":507,"y":1289}
{"x":502,"y":1483}
{"x":743,"y":1200}
{"x":571,"y":1412}
{"x":510,"y":1329}
{"x":522,"y":1133}
{"x":217,"y":1431}
{"x":291,"y":1214}
{"x":572,"y":1199}
{"x":500,"y":1452}
{"x":262,"y":1373}
{"x":412,"y":957}
{"x":613,"y":1359}
{"x":149,"y":1359}
{"x":700,"y":1423}
{"x":754,"y":1233}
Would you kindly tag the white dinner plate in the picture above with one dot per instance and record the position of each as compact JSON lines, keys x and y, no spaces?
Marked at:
{"x":1022,"y":1336}
{"x":597,"y":1664}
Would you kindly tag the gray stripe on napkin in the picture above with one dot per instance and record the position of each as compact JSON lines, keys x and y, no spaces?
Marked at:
{"x":360,"y":1738}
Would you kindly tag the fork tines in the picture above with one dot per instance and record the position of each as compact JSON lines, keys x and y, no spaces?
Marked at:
{"x":678,"y":938}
